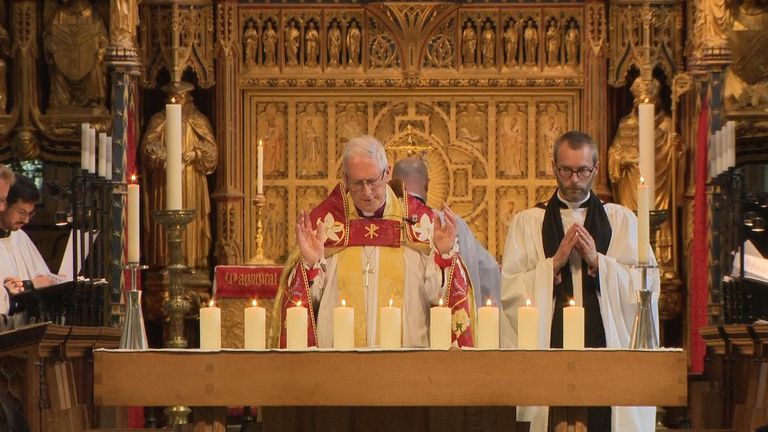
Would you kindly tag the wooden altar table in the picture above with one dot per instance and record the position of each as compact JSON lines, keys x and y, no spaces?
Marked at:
{"x":398,"y":378}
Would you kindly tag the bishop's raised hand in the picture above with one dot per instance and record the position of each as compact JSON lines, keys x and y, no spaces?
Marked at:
{"x":311,"y":241}
{"x":444,"y":235}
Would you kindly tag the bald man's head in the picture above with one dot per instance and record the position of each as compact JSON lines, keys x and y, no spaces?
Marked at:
{"x":413,"y":172}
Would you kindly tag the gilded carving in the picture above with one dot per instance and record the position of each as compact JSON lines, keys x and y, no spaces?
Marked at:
{"x":334,"y":44}
{"x":250,"y":43}
{"x":511,"y":40}
{"x":5,"y":51}
{"x":543,"y":193}
{"x":228,"y":238}
{"x":312,"y":44}
{"x":292,"y":44}
{"x":553,"y":40}
{"x":471,"y":124}
{"x":488,"y":45}
{"x":531,"y":42}
{"x":123,"y":19}
{"x":354,"y":38}
{"x":572,"y":44}
{"x":746,"y":81}
{"x":74,"y":44}
{"x":711,"y":21}
{"x":468,"y":44}
{"x":509,"y":201}
{"x":551,"y":120}
{"x":440,"y":52}
{"x":199,"y":158}
{"x":597,"y":25}
{"x":269,"y":41}
{"x":273,"y":131}
{"x":276,"y":224}
{"x":351,"y":122}
{"x":511,"y":153}
{"x":312,"y":141}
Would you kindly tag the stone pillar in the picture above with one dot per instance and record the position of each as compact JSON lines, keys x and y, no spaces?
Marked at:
{"x":596,"y":88}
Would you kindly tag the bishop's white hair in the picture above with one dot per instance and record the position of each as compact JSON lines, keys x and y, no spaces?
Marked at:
{"x":364,"y":146}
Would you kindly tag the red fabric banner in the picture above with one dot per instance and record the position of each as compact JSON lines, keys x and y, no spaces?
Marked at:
{"x":700,"y":260}
{"x":247,"y":281}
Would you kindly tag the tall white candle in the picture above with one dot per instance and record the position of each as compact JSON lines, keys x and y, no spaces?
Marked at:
{"x":255,"y":327}
{"x":296,"y":327}
{"x":719,"y":151}
{"x":109,"y":158}
{"x":528,"y":326}
{"x":343,"y":327}
{"x":260,"y":169}
{"x":573,"y":327}
{"x":647,"y":152}
{"x":102,"y":170}
{"x":92,"y":151}
{"x":210,"y":327}
{"x":389,"y":327}
{"x":643,"y":221}
{"x":730,"y":127}
{"x":440,"y":327}
{"x":134,"y":239}
{"x":173,"y":165}
{"x":84,"y":146}
{"x":488,"y":326}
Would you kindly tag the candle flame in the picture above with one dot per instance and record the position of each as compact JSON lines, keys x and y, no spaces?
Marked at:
{"x":210,"y":303}
{"x":440,"y":303}
{"x":390,"y":302}
{"x":253,"y":303}
{"x":133,"y":178}
{"x":173,"y":99}
{"x":260,"y":144}
{"x":343,"y":302}
{"x":298,"y":303}
{"x":571,"y":303}
{"x":642,"y":180}
{"x":488,"y":302}
{"x":646,"y":100}
{"x":528,"y":302}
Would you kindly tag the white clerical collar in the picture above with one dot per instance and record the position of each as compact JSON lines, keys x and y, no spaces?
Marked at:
{"x":572,"y":205}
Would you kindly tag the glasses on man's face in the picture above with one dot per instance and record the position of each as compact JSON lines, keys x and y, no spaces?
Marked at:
{"x":25,"y":214}
{"x":582,"y":173}
{"x":356,"y":185}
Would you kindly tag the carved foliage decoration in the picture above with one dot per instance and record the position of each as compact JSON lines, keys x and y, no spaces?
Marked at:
{"x":177,"y":38}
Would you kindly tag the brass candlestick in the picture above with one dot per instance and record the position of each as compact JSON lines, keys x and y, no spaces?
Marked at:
{"x":259,"y":258}
{"x":176,"y":305}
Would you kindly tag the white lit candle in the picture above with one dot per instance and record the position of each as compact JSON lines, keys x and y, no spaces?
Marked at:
{"x":719,"y":152}
{"x":573,"y":326}
{"x":730,"y":127}
{"x":296,"y":327}
{"x":440,"y":326}
{"x":134,"y":239}
{"x":343,"y":327}
{"x":255,"y":327}
{"x":173,"y":165}
{"x":210,"y":327}
{"x":109,"y":158}
{"x":528,"y":326}
{"x":84,"y":146}
{"x":92,"y":151}
{"x":260,"y":169}
{"x":647,"y":152}
{"x":102,"y":170}
{"x":488,"y":326}
{"x":643,"y":221}
{"x":389,"y":327}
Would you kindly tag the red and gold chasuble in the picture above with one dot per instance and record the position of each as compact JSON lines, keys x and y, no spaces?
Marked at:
{"x":406,"y":222}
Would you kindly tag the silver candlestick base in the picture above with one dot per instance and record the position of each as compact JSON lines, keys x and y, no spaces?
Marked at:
{"x":134,"y":336}
{"x":644,"y":334}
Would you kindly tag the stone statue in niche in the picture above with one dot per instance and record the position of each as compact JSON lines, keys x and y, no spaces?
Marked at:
{"x":553,"y":43}
{"x":312,"y":141}
{"x":334,"y":44}
{"x":292,"y":45}
{"x":123,"y":21}
{"x":572,"y":45}
{"x":488,"y":46}
{"x":354,"y":37}
{"x":5,"y":52}
{"x":471,"y":124}
{"x":351,"y":123}
{"x":312,"y":44}
{"x":531,"y":40}
{"x":512,"y":139}
{"x":511,"y":36}
{"x":199,"y":159}
{"x":468,"y":44}
{"x":74,"y":45}
{"x":269,"y":39}
{"x":275,"y":232}
{"x":273,"y":123}
{"x":250,"y":42}
{"x":552,"y":124}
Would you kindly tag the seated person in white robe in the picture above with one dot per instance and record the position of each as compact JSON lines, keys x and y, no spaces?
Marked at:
{"x":20,"y":261}
{"x":367,"y":245}
{"x":575,"y":247}
{"x":482,"y":266}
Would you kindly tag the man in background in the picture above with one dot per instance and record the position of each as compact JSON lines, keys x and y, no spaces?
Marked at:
{"x":483,"y":268}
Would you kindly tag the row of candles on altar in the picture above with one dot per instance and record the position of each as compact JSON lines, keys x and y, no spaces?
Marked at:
{"x":722,"y":150}
{"x":89,"y":155}
{"x":390,"y":327}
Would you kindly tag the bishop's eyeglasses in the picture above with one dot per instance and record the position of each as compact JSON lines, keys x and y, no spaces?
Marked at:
{"x":356,"y":185}
{"x":582,"y":173}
